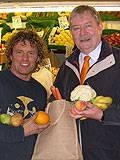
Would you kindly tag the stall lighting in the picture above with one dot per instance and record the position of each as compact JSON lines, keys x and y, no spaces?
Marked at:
{"x":56,"y":6}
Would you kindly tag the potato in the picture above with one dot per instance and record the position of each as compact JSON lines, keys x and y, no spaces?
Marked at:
{"x":16,"y":120}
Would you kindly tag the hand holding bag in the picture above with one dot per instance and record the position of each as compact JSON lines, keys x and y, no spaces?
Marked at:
{"x":59,"y":141}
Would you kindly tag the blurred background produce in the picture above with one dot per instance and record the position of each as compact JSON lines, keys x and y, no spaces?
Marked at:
{"x":57,"y":36}
{"x":48,"y":26}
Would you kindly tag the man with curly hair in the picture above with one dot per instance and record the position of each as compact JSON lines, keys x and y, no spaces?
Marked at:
{"x":20,"y":93}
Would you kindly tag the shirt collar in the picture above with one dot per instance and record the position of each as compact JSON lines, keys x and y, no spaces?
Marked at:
{"x":94,"y":54}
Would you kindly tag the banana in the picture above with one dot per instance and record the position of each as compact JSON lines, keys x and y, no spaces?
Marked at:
{"x":102,"y":106}
{"x":83,"y":118}
{"x":102,"y":102}
{"x":102,"y":99}
{"x":96,"y":99}
{"x":107,"y":100}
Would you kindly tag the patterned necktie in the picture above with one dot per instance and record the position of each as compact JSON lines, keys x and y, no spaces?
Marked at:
{"x":84,"y":69}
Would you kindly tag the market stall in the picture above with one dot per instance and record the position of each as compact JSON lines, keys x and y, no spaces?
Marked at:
{"x":50,"y":21}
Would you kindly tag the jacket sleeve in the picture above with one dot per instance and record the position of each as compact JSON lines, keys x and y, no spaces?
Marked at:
{"x":112,"y":114}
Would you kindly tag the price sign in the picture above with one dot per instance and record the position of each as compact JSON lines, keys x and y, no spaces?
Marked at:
{"x":41,"y":33}
{"x":16,"y":22}
{"x":63,"y":22}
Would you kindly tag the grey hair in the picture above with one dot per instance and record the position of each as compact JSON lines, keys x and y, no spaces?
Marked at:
{"x":85,"y":8}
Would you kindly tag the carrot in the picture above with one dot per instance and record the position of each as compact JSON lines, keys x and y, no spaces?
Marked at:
{"x":53,"y":89}
{"x":58,"y":95}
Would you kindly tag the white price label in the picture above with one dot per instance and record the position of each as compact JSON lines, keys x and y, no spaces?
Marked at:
{"x":16,"y":22}
{"x":63,"y":22}
{"x":41,"y":33}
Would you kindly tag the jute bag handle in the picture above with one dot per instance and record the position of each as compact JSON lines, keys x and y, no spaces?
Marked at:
{"x":54,"y":120}
{"x":59,"y":141}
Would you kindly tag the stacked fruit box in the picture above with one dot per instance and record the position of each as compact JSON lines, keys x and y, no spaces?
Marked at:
{"x":60,"y":36}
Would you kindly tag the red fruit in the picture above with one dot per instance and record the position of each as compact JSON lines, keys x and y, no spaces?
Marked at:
{"x":80,"y":105}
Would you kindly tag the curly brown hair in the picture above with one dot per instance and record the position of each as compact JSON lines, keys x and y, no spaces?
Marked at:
{"x":34,"y":40}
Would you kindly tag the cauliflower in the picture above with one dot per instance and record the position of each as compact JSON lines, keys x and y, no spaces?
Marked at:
{"x":83,"y":93}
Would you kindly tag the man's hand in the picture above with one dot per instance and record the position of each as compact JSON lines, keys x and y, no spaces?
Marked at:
{"x":91,"y":111}
{"x":30,"y":127}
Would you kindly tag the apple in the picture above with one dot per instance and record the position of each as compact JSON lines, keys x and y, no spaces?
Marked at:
{"x":5,"y":119}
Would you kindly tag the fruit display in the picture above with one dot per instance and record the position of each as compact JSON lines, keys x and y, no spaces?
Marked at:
{"x":3,"y":15}
{"x":42,"y":21}
{"x":2,"y":54}
{"x":110,"y":15}
{"x":54,"y":71}
{"x":24,"y":16}
{"x":6,"y":36}
{"x":60,"y":36}
{"x":56,"y":36}
{"x":42,"y":118}
{"x":113,"y":39}
{"x":48,"y":23}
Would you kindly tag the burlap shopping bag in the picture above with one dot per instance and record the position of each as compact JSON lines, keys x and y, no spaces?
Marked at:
{"x":59,"y":141}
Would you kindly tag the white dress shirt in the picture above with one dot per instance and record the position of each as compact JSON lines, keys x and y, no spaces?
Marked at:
{"x":94,"y":56}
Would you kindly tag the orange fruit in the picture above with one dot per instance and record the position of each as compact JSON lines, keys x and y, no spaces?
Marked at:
{"x":80,"y":105}
{"x":42,"y":118}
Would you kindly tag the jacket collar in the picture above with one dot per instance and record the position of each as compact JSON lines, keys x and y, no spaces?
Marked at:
{"x":74,"y":58}
{"x":106,"y":50}
{"x":105,"y":60}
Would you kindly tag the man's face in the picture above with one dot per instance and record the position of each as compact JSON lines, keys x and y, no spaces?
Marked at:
{"x":86,"y":32}
{"x":24,"y":59}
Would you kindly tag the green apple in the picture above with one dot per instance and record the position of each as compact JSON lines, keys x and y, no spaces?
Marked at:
{"x":5,"y":118}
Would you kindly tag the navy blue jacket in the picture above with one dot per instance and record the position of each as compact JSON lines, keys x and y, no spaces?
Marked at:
{"x":100,"y":141}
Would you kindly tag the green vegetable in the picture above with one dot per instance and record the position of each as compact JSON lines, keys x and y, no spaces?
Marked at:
{"x":42,"y":23}
{"x":43,"y":18}
{"x":110,"y":31}
{"x":6,"y":28}
{"x":109,"y":17}
{"x":9,"y":17}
